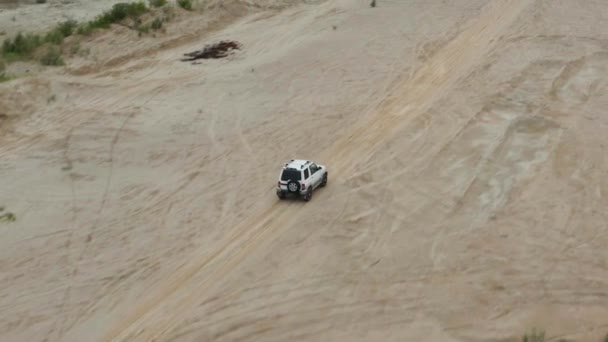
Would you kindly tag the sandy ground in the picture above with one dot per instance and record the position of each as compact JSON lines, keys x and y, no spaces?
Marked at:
{"x":466,"y":147}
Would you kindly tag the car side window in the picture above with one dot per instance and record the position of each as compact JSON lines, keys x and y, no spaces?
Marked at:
{"x":306,"y":174}
{"x":313,"y":168}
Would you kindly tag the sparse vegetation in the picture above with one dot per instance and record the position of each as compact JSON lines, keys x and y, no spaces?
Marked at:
{"x":606,"y":338}
{"x":143,"y":29}
{"x":157,"y":24}
{"x":41,"y":1}
{"x":534,"y":336}
{"x":10,"y":217}
{"x":61,"y":31}
{"x":85,"y":29}
{"x":185,"y":4}
{"x":51,"y":99}
{"x":118,"y":13}
{"x":4,"y":77}
{"x":157,"y":3}
{"x":21,"y":46}
{"x":52,"y":57}
{"x":25,"y":46}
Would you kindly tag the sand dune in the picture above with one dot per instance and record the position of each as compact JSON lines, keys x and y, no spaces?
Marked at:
{"x":465,"y":142}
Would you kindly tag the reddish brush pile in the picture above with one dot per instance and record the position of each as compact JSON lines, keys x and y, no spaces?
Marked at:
{"x":217,"y":50}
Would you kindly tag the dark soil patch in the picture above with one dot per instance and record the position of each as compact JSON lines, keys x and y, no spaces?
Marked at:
{"x":213,"y":51}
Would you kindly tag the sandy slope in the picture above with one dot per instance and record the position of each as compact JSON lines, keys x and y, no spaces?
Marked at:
{"x":466,"y":147}
{"x":32,"y":17}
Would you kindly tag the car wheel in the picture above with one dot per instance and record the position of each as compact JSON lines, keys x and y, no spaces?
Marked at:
{"x":293,"y":186}
{"x":308,"y":195}
{"x":324,"y":182}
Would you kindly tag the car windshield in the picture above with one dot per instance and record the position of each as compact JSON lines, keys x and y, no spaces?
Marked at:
{"x":291,"y":174}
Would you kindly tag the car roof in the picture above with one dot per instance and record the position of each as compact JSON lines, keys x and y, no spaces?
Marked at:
{"x":297,"y":163}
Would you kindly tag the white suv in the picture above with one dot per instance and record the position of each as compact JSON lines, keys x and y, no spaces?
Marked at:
{"x":300,"y":178}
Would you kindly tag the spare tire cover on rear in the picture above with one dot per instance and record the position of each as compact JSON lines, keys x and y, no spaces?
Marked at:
{"x":293,"y":186}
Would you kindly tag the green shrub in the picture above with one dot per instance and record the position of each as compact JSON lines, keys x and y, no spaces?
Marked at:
{"x":143,"y":29}
{"x":534,"y":336}
{"x":21,"y":45}
{"x":54,"y":37}
{"x":4,"y":77}
{"x":157,"y":3}
{"x":185,"y":4}
{"x":157,"y":24}
{"x":61,"y":31}
{"x":67,"y":28}
{"x":119,"y":12}
{"x":8,"y":217}
{"x":41,"y":1}
{"x":52,"y":57}
{"x":85,"y":29}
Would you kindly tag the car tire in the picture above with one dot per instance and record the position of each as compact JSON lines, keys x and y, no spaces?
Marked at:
{"x":308,"y":195}
{"x":293,"y":186}
{"x":324,"y":182}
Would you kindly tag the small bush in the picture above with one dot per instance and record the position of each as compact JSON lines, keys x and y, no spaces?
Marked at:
{"x":85,"y":29}
{"x":119,"y":12}
{"x":4,"y":77}
{"x":67,"y":28}
{"x":185,"y":4}
{"x":54,"y":37}
{"x":60,"y":32}
{"x":8,"y":217}
{"x":143,"y":29}
{"x":534,"y":336}
{"x":52,"y":57}
{"x":41,"y":1}
{"x":157,"y":24}
{"x":157,"y":3}
{"x":21,"y":45}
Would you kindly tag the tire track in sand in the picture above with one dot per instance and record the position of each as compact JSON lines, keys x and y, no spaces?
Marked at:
{"x":157,"y":313}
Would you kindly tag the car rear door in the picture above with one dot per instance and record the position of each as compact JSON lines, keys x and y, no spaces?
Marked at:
{"x":289,"y":174}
